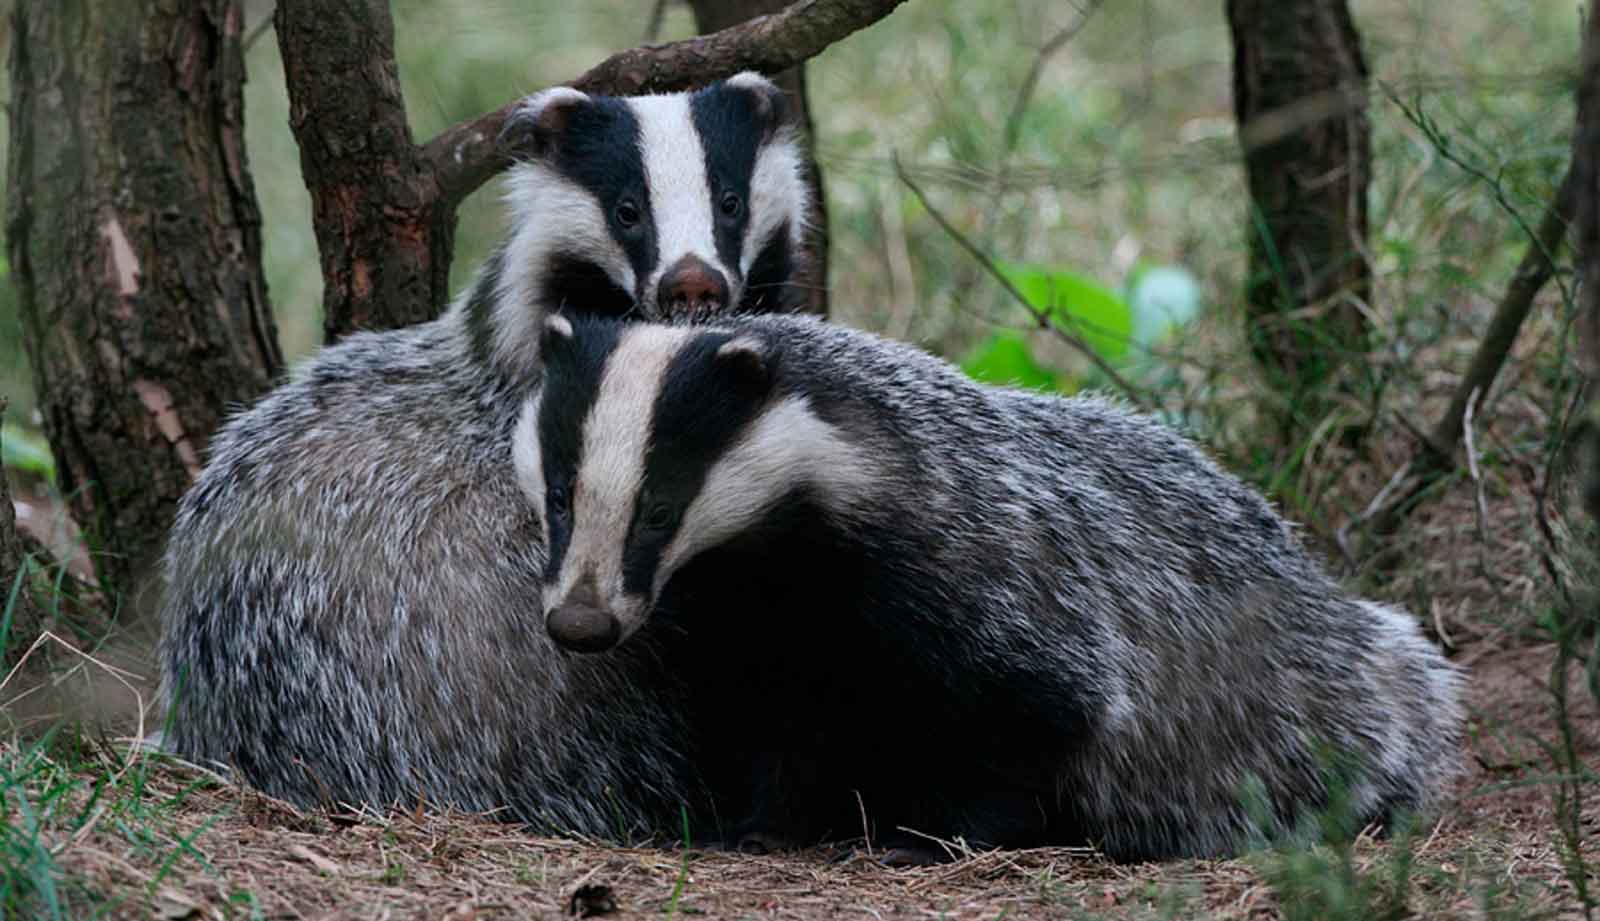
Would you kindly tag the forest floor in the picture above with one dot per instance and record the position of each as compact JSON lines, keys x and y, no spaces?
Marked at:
{"x":178,"y":844}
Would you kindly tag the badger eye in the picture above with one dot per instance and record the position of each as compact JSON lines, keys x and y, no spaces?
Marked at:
{"x":560,"y":503}
{"x":659,"y":516}
{"x":628,"y":214}
{"x":730,"y":205}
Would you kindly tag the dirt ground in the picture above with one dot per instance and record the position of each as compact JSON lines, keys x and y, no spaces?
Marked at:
{"x":211,"y":850}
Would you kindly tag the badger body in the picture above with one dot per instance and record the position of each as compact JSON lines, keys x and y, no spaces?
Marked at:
{"x":349,"y":613}
{"x":959,"y":609}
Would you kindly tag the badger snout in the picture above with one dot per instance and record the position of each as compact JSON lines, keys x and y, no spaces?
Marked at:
{"x":583,"y":627}
{"x":692,"y":288}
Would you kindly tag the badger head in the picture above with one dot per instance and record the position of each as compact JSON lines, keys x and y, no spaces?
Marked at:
{"x":648,"y":445}
{"x":684,"y":204}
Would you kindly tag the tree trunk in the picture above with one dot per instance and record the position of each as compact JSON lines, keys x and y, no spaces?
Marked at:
{"x":1586,"y":240}
{"x":23,"y":614}
{"x":384,"y":233}
{"x":716,"y":15}
{"x":135,"y":243}
{"x":1300,"y":96}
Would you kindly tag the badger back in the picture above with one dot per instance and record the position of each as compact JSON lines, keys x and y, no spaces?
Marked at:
{"x":647,"y":445}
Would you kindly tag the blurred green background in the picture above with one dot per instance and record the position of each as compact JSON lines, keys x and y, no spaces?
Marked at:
{"x":1125,"y":158}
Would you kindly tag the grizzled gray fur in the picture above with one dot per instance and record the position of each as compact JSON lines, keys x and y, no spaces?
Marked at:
{"x":984,"y":612}
{"x":352,"y":606}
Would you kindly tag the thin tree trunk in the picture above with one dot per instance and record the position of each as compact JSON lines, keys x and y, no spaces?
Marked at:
{"x":1586,"y":240}
{"x":384,"y":232}
{"x":23,"y":614}
{"x":716,"y":15}
{"x":1300,"y":96}
{"x":135,"y":244}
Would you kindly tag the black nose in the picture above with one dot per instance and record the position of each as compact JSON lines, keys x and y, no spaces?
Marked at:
{"x":583,"y":628}
{"x":692,"y":288}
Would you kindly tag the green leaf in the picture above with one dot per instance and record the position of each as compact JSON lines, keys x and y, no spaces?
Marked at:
{"x":1004,"y":359}
{"x":1076,"y":304}
{"x":24,"y":450}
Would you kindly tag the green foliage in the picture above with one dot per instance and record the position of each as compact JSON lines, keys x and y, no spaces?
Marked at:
{"x":1004,"y":358}
{"x":1120,"y":329}
{"x":1077,"y":304}
{"x":26,"y":450}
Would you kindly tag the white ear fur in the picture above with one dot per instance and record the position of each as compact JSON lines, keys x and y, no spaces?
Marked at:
{"x":557,"y":325}
{"x":742,"y":346}
{"x":532,"y":125}
{"x":771,"y":105}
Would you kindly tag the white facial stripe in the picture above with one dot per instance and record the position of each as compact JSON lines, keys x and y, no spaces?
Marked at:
{"x":680,"y":194}
{"x":550,"y":215}
{"x":786,"y":447}
{"x":528,"y":459}
{"x":778,"y":191}
{"x":611,"y":467}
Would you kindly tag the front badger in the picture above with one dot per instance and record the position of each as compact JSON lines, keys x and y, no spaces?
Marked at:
{"x":1008,"y":617}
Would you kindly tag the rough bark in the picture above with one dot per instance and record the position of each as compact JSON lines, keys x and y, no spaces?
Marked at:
{"x":716,"y":15}
{"x":135,"y":245}
{"x":383,"y":231}
{"x":391,"y":239}
{"x":1586,"y":240}
{"x":24,"y":615}
{"x":1300,"y":97}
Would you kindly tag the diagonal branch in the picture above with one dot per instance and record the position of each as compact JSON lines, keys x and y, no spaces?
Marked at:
{"x":464,"y":156}
{"x":1042,"y":317}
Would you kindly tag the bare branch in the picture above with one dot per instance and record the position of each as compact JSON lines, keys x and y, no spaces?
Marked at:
{"x":1030,"y":83}
{"x":1041,"y":317}
{"x":464,"y":156}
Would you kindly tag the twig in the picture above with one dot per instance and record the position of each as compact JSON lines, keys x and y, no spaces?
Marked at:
{"x":1436,"y":456}
{"x":652,"y":29}
{"x":1477,"y":481}
{"x":1030,"y":83}
{"x":1041,"y":317}
{"x":1012,"y":133}
{"x":256,"y":33}
{"x":866,"y":827}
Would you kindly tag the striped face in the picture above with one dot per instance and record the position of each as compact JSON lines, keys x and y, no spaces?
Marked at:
{"x":679,"y":205}
{"x":648,"y":445}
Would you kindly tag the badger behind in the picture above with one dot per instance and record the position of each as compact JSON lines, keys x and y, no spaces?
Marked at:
{"x":350,"y":614}
{"x":1002,"y":616}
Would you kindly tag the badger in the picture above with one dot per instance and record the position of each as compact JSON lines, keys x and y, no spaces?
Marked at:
{"x":349,"y":613}
{"x":959,"y":610}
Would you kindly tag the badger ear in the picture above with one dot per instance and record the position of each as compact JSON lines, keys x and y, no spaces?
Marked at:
{"x":557,"y":333}
{"x":750,"y":361}
{"x":770,"y":105}
{"x":536,"y":124}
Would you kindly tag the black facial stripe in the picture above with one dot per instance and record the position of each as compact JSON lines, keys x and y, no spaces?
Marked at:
{"x":599,"y":150}
{"x":575,"y":285}
{"x":480,"y":307}
{"x":770,"y":287}
{"x":731,"y":134}
{"x":572,"y":373}
{"x":699,"y":412}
